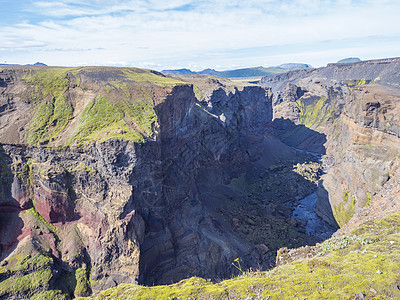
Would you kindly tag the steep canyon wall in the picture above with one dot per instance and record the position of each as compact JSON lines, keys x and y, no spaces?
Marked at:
{"x":109,"y":176}
{"x":356,"y":107}
{"x":113,"y":175}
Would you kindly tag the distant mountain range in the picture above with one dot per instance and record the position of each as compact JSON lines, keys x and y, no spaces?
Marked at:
{"x":245,"y":72}
{"x":35,"y":64}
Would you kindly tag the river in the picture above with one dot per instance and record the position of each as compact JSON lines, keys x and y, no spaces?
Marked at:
{"x":315,"y":226}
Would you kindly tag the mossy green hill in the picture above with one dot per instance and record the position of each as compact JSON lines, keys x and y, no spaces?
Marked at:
{"x":117,"y":103}
{"x":76,"y":106}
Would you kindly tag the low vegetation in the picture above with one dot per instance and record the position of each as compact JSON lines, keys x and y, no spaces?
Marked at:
{"x":22,"y":261}
{"x":50,"y":295}
{"x":316,"y":114}
{"x":142,"y":75}
{"x":26,"y":284}
{"x":123,"y":108}
{"x":25,"y":272}
{"x":102,"y":120}
{"x":351,"y":84}
{"x":344,"y":211}
{"x":364,"y":264}
{"x":142,"y":114}
{"x":82,"y":287}
{"x":53,"y":111}
{"x":310,"y":171}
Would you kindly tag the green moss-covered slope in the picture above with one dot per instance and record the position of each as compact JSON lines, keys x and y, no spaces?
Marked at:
{"x":25,"y":272}
{"x":103,"y":120}
{"x":364,"y":264}
{"x":344,"y":211}
{"x":316,"y":113}
{"x":32,"y":271}
{"x":52,"y":109}
{"x":122,"y":104}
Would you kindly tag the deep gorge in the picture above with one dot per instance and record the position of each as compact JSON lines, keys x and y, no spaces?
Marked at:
{"x":179,"y":176}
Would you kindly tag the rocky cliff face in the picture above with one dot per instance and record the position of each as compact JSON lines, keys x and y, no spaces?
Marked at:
{"x":356,"y":107}
{"x":113,"y":175}
{"x":116,"y":176}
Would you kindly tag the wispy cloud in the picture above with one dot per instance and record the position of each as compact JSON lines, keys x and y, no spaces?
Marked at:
{"x":203,"y":33}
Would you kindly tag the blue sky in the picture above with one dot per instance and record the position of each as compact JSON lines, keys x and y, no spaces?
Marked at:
{"x":197,"y":34}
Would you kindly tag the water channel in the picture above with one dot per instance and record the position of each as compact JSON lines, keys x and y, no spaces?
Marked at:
{"x":306,"y":211}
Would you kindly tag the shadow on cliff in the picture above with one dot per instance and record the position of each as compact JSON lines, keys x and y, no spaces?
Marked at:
{"x":10,"y":228}
{"x":324,"y":208}
{"x":266,"y":202}
{"x":305,"y":139}
{"x":226,"y":192}
{"x":299,"y":136}
{"x":10,"y":223}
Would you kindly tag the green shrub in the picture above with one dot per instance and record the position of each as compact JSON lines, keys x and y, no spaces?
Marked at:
{"x":82,"y":287}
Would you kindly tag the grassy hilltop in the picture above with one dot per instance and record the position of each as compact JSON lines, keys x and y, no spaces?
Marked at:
{"x":78,"y":105}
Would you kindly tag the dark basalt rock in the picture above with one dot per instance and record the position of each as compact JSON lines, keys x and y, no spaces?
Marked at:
{"x":218,"y":179}
{"x":133,"y":212}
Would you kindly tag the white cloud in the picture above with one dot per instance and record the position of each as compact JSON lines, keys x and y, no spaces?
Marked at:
{"x":207,"y":33}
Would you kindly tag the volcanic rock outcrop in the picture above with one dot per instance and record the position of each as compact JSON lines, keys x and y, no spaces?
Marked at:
{"x":116,"y":176}
{"x":356,"y":106}
{"x":123,"y":175}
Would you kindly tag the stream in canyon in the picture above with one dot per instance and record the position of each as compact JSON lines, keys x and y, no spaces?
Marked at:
{"x":315,"y":226}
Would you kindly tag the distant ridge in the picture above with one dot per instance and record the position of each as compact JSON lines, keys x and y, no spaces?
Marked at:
{"x":295,"y":66}
{"x":38,"y":64}
{"x":368,"y":70}
{"x":244,"y":72}
{"x":349,"y":60}
{"x":35,"y":64}
{"x":177,"y":72}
